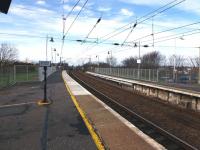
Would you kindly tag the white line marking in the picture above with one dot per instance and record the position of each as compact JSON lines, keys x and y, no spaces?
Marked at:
{"x":19,"y":104}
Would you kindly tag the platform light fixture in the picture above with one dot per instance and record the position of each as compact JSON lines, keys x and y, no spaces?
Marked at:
{"x":51,"y":40}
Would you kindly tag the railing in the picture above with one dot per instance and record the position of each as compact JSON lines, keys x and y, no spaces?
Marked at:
{"x":6,"y":76}
{"x":10,"y":75}
{"x":163,"y":75}
{"x":130,"y":73}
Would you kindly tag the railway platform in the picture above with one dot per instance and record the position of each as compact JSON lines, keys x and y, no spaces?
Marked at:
{"x":26,"y":126}
{"x":113,"y":131}
{"x":74,"y":120}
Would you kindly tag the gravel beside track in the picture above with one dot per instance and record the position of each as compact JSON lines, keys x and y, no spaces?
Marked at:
{"x":185,"y":124}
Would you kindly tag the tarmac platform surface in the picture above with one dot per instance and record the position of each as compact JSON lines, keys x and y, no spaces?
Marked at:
{"x":26,"y":126}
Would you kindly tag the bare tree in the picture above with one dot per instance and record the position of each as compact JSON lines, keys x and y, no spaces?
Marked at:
{"x":197,"y":61}
{"x":191,"y":62}
{"x":8,"y":54}
{"x":178,"y":60}
{"x":130,"y":62}
{"x":151,"y":60}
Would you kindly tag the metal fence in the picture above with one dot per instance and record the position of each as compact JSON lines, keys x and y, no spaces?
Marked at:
{"x":6,"y":76}
{"x":17,"y":73}
{"x":130,"y":73}
{"x":22,"y":73}
{"x":186,"y":75}
{"x":164,"y":75}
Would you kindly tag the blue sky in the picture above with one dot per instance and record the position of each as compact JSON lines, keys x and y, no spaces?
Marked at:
{"x":39,"y":18}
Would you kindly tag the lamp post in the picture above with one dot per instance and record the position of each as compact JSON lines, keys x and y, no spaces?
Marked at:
{"x":53,"y":50}
{"x":97,"y":56}
{"x":139,"y":60}
{"x":199,"y":66}
{"x":55,"y":54}
{"x":51,"y":40}
{"x":174,"y":68}
{"x":110,"y":59}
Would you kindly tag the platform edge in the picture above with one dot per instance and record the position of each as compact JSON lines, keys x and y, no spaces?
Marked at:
{"x":91,"y":130}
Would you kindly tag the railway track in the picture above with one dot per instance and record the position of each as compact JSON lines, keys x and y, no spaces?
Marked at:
{"x":168,"y":140}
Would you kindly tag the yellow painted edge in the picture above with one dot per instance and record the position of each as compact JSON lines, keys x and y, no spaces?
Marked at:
{"x":95,"y":137}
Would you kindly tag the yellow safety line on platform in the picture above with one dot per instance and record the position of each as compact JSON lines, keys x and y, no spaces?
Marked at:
{"x":87,"y":123}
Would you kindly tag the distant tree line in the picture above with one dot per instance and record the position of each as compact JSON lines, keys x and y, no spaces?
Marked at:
{"x":151,"y":60}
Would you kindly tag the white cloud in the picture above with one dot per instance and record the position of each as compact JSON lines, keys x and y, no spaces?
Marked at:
{"x":77,"y":8}
{"x":41,"y":2}
{"x":146,"y":2}
{"x":187,"y":5}
{"x":190,"y":6}
{"x":104,"y":9}
{"x":65,"y":1}
{"x":31,"y":13}
{"x":126,"y":12}
{"x":69,"y":8}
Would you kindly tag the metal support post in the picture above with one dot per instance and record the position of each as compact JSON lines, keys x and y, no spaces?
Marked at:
{"x":27,"y":73}
{"x":157,"y":75}
{"x":46,"y":47}
{"x":45,"y":84}
{"x":199,"y":67}
{"x":14,"y":73}
{"x":149,"y":75}
{"x":139,"y":63}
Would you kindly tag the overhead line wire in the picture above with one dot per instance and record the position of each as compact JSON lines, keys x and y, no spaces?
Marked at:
{"x":189,"y":33}
{"x":175,"y":37}
{"x":166,"y":31}
{"x":183,"y":34}
{"x":143,"y":20}
{"x":64,"y":20}
{"x":64,"y":34}
{"x":92,"y":29}
{"x":140,"y":21}
{"x":75,"y":18}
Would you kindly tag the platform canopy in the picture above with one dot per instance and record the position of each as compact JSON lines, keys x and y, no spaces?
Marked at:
{"x":4,"y":6}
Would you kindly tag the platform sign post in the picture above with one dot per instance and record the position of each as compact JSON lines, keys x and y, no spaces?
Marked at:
{"x":45,"y":64}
